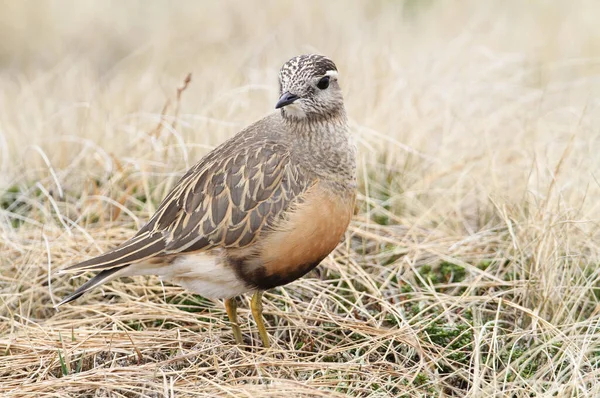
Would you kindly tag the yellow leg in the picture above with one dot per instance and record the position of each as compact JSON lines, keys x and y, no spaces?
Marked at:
{"x":231,"y":308}
{"x":256,"y":306}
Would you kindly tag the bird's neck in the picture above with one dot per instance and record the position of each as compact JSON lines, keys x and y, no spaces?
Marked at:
{"x":325,"y":146}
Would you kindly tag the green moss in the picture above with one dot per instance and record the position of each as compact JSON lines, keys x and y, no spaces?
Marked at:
{"x":406,"y":288}
{"x":452,"y":273}
{"x":92,"y":218}
{"x":380,"y":219}
{"x":193,"y":303}
{"x":12,"y":201}
{"x":424,"y":386}
{"x":456,"y":339}
{"x":442,"y":274}
{"x":485,"y":264}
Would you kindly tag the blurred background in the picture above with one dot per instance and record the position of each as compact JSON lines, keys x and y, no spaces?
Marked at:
{"x":490,"y":89}
{"x":481,"y":85}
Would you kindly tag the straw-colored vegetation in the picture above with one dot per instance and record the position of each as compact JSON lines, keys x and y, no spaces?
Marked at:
{"x":470,"y":268}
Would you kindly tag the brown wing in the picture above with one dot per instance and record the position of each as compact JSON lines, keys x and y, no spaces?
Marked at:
{"x":226,"y":200}
{"x":230,"y":203}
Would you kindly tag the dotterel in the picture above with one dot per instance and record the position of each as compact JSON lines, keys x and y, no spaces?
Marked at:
{"x":260,"y":210}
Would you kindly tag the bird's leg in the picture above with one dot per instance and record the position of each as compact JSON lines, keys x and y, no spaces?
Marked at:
{"x":231,"y":308}
{"x":256,"y":306}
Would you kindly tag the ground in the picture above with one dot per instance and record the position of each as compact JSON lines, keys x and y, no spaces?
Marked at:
{"x":470,"y":267}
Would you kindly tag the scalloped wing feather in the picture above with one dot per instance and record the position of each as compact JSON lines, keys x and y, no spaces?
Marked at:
{"x":225,"y":201}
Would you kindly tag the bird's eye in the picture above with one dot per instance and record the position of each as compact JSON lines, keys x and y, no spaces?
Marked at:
{"x":323,"y":83}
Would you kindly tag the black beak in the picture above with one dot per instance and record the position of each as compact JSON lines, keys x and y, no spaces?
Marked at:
{"x":286,"y":99}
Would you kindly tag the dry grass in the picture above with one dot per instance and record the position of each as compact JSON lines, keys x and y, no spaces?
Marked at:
{"x":470,"y":269}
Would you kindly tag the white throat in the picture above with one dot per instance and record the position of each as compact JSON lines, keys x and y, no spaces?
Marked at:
{"x":295,"y":110}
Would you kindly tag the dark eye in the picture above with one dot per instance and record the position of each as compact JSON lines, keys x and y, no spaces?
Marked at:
{"x":323,"y":83}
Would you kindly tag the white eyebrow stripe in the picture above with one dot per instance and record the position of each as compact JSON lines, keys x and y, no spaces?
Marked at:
{"x":331,"y":73}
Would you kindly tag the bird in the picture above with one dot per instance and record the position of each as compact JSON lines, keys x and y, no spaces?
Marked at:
{"x":260,"y":210}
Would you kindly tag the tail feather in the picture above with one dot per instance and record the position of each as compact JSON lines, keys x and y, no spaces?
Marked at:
{"x":137,"y":249}
{"x":99,"y":279}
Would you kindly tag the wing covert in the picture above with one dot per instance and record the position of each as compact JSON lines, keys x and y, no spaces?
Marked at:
{"x":228,"y":202}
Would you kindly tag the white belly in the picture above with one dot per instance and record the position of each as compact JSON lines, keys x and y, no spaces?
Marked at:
{"x":202,"y":274}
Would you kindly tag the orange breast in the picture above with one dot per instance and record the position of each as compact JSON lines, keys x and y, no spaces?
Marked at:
{"x":309,"y":233}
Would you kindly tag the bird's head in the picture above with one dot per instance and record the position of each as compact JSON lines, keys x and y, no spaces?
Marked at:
{"x":309,"y":88}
